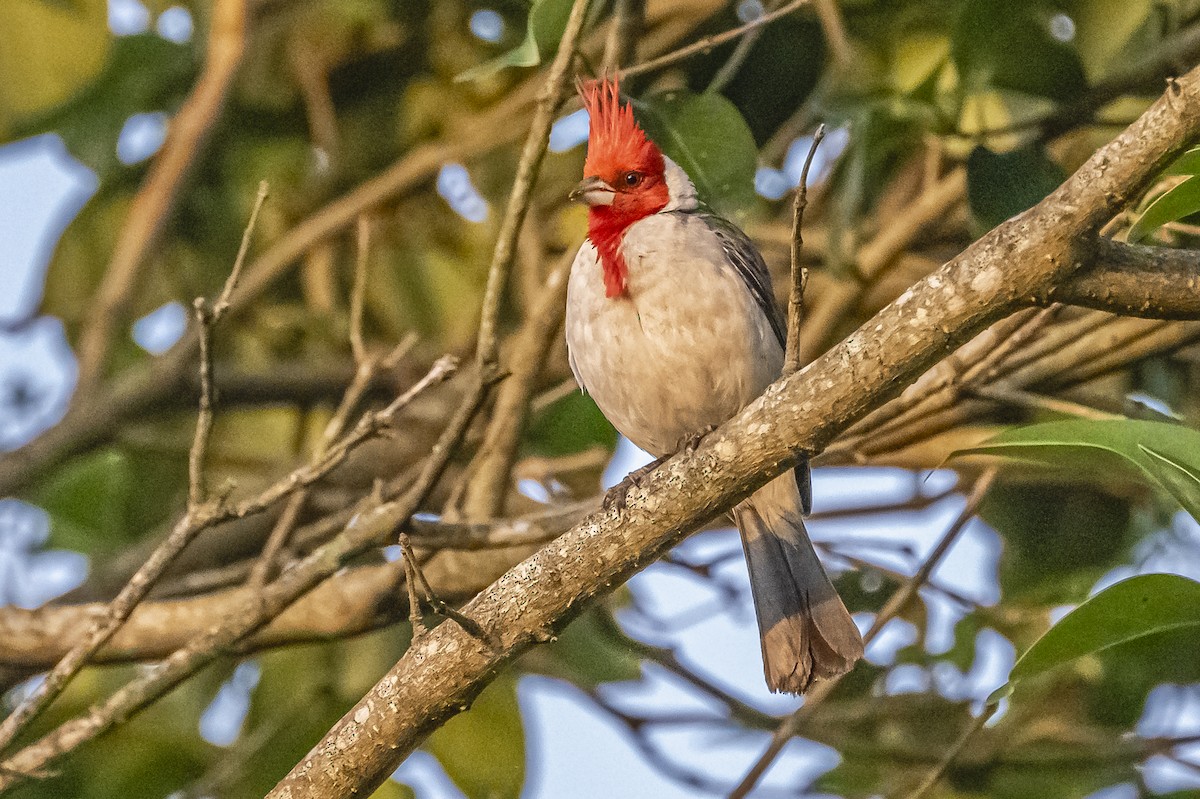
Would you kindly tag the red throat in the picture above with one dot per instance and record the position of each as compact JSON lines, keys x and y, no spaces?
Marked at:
{"x":617,"y":150}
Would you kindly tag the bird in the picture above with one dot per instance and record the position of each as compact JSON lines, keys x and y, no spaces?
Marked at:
{"x":672,"y":328}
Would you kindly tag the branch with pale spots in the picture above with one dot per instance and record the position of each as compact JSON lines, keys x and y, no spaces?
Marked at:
{"x":802,"y":413}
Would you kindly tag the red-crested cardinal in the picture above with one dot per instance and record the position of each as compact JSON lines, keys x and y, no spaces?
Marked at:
{"x":672,"y":328}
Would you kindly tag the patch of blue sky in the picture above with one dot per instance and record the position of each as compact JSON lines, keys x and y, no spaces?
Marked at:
{"x":750,"y":10}
{"x":30,"y":574}
{"x":127,"y":17}
{"x":44,"y":188}
{"x":568,"y":132}
{"x":487,"y":24}
{"x":221,"y":723}
{"x":175,"y":25}
{"x":455,"y":187}
{"x":773,"y":183}
{"x":141,"y":136}
{"x":37,"y":376}
{"x":157,"y":331}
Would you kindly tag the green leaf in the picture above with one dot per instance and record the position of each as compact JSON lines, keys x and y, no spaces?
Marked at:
{"x":87,"y":500}
{"x":1002,"y":185}
{"x":707,"y":136}
{"x":1186,"y":164}
{"x":1166,"y":455}
{"x":1004,"y":45}
{"x":547,"y":21}
{"x":143,"y":73}
{"x":1107,"y":32}
{"x":1131,"y":609}
{"x":572,"y":424}
{"x":48,"y":53}
{"x":586,"y":654}
{"x":483,"y":749}
{"x":1174,"y":204}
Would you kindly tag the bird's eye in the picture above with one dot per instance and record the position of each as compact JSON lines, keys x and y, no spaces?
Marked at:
{"x":632,"y":178}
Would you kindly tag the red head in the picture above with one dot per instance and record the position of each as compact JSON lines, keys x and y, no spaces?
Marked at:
{"x":624,"y":178}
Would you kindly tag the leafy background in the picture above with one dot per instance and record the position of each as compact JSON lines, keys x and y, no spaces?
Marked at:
{"x":1016,"y":94}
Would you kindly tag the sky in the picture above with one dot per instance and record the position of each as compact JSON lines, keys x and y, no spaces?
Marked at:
{"x":574,"y":749}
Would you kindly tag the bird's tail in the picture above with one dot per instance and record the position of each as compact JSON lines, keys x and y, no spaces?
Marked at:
{"x":806,"y":631}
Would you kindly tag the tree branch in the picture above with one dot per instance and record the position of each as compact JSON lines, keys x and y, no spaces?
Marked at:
{"x":443,"y":672}
{"x":189,"y":131}
{"x":1133,"y":280}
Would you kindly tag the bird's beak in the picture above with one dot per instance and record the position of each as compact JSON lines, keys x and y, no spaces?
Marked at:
{"x":593,"y":191}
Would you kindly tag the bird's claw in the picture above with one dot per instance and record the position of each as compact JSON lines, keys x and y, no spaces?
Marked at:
{"x":615,"y":498}
{"x":693,"y":441}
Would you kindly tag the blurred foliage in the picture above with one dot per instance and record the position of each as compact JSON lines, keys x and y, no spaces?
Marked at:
{"x":1167,"y":455}
{"x":335,"y":93}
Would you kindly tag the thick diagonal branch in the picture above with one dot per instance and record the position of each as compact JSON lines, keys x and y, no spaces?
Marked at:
{"x":799,"y":415}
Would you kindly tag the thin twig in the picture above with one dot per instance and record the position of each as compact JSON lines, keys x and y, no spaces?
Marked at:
{"x":410,"y":582}
{"x":894,"y":606}
{"x":364,"y":375}
{"x":222,"y":305}
{"x":729,"y":69}
{"x":935,"y":775}
{"x":197,"y":492}
{"x":709,"y":42}
{"x":791,"y":360}
{"x":189,"y":131}
{"x":413,"y":570}
{"x":536,"y":142}
{"x":1029,"y":399}
{"x":359,"y":292}
{"x":834,"y":29}
{"x":198,"y":516}
{"x":367,"y":528}
{"x":491,"y":469}
{"x":281,"y":531}
{"x":206,"y":319}
{"x":628,"y":18}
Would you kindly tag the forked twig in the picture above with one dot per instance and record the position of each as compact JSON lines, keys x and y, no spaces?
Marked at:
{"x":415,"y":577}
{"x":791,"y":361}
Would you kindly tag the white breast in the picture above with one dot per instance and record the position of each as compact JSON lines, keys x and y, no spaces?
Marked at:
{"x":686,"y":349}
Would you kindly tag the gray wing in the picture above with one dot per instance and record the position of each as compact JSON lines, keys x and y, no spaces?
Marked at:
{"x":750,"y":268}
{"x":754,"y":273}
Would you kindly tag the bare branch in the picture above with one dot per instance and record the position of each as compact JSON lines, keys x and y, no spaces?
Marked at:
{"x":358,"y":293}
{"x":189,"y":131}
{"x":536,"y":142}
{"x":351,"y":602}
{"x":206,"y":318}
{"x":628,"y":18}
{"x":834,"y":29}
{"x":791,"y":360}
{"x":369,"y":527}
{"x":709,"y":42}
{"x":410,"y":583}
{"x":198,"y":517}
{"x":1133,"y":280}
{"x":493,"y":463}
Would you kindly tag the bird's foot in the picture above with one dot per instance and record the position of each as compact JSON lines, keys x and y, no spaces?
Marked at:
{"x":615,"y":498}
{"x":692,"y":443}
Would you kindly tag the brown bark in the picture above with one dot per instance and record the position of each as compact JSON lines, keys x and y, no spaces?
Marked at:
{"x":1019,"y":261}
